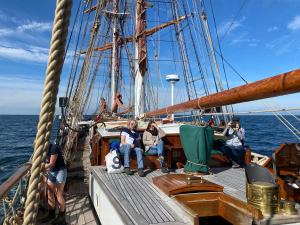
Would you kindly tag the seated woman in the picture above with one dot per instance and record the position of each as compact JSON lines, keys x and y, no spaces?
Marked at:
{"x":130,"y":140}
{"x":154,"y":144}
{"x":234,"y":148}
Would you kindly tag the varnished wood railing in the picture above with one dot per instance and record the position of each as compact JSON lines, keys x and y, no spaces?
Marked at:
{"x":14,"y":179}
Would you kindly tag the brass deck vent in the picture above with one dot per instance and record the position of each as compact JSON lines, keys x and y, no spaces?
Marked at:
{"x":261,"y":189}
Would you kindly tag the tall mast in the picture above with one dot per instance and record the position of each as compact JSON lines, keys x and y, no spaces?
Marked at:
{"x":115,"y":63}
{"x":141,"y":60}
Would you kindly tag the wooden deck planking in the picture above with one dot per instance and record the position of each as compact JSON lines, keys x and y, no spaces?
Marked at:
{"x":79,"y":209}
{"x":140,"y":195}
{"x":232,"y":179}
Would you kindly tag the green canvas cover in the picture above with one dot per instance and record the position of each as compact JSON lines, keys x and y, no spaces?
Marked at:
{"x":197,"y":142}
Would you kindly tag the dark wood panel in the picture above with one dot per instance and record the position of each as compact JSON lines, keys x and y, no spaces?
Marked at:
{"x":219,"y":204}
{"x":172,"y":184}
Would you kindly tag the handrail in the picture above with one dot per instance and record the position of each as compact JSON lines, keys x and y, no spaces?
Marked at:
{"x":14,"y":179}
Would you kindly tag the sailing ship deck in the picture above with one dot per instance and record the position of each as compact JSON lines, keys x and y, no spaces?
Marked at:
{"x":145,"y":204}
{"x":79,"y":209}
{"x":148,"y":205}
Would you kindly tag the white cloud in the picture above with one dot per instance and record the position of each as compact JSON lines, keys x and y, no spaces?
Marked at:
{"x":21,"y":30}
{"x":245,"y":39}
{"x":284,"y":44}
{"x":32,"y":53}
{"x":229,"y":26}
{"x":294,"y":24}
{"x":35,"y":26}
{"x":6,"y":32}
{"x":22,"y":94}
{"x":272,"y":29}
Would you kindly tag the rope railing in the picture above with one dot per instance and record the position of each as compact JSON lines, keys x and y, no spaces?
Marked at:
{"x":12,"y":193}
{"x":56,"y":55}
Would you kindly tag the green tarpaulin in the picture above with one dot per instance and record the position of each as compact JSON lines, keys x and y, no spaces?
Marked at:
{"x":197,"y":143}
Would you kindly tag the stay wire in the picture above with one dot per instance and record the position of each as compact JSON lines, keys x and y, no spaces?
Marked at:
{"x":233,"y":20}
{"x":219,"y":46}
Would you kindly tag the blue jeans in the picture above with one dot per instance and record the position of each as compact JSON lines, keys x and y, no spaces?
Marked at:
{"x":237,"y":154}
{"x":125,"y":150}
{"x":157,"y":150}
{"x":57,"y":177}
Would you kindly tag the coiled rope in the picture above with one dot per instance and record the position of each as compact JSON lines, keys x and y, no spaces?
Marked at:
{"x":56,"y":55}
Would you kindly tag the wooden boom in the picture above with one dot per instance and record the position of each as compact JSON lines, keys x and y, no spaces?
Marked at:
{"x":282,"y":84}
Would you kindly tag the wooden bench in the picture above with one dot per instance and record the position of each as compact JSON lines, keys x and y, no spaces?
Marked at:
{"x":174,"y":153}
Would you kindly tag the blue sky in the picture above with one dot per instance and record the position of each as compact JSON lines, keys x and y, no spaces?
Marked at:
{"x":263,"y":41}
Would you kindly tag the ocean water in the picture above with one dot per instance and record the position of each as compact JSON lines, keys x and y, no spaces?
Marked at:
{"x":17,"y":134}
{"x":264,"y":134}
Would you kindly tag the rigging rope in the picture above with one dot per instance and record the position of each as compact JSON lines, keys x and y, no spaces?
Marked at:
{"x":56,"y":54}
{"x":219,"y":46}
{"x":233,"y":20}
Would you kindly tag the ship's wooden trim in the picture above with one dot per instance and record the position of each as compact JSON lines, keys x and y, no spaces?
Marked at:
{"x":172,"y":184}
{"x":173,"y":152}
{"x":287,"y":162}
{"x":219,"y":204}
{"x":14,"y":179}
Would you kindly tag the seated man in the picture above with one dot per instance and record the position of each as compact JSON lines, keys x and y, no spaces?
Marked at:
{"x":234,"y":147}
{"x":130,"y":140}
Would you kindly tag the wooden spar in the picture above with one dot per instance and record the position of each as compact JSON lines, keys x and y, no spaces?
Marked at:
{"x":149,"y":32}
{"x":115,"y":58}
{"x":93,"y":8}
{"x":282,"y":84}
{"x":141,"y":36}
{"x":14,"y":179}
{"x":141,"y":57}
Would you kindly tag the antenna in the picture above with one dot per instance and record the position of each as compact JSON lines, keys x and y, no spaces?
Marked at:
{"x":172,"y":78}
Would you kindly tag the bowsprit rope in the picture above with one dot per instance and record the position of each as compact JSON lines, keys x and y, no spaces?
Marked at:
{"x":56,"y":55}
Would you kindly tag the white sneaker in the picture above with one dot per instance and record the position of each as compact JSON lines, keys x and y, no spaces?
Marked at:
{"x":235,"y":165}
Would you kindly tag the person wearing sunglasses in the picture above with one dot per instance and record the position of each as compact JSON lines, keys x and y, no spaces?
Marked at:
{"x":131,"y":141}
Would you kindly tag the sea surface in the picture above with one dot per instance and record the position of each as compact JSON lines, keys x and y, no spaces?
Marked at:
{"x":17,"y":134}
{"x":264,"y":134}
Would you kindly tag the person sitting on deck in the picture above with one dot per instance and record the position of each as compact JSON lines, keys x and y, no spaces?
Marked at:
{"x":117,"y":103}
{"x":234,"y":147}
{"x":222,"y":124}
{"x":211,"y":122}
{"x":153,"y":143}
{"x":103,"y":106}
{"x":57,"y":175}
{"x":130,"y":140}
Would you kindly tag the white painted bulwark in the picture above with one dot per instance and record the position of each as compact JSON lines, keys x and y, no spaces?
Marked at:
{"x":106,"y":207}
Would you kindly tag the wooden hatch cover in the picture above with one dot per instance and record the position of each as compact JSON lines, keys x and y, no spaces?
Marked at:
{"x":172,"y":184}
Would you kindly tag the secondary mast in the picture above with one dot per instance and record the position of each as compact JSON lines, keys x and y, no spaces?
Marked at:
{"x":141,"y":58}
{"x":115,"y":62}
